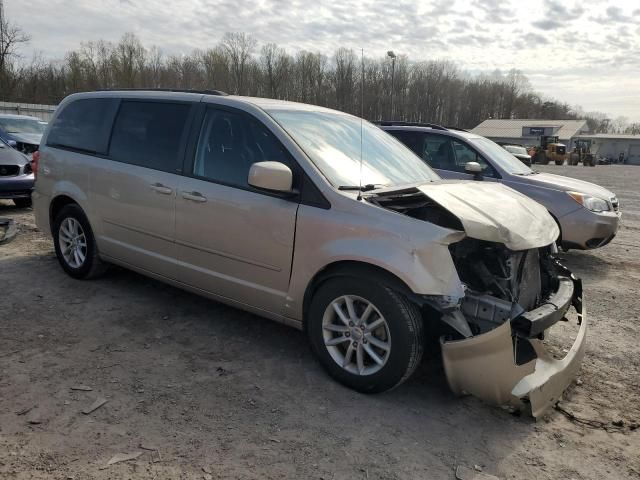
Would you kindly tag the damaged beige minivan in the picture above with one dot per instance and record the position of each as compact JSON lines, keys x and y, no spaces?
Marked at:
{"x":317,"y":219}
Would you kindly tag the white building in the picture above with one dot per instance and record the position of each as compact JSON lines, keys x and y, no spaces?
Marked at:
{"x":528,"y":132}
{"x":612,"y":145}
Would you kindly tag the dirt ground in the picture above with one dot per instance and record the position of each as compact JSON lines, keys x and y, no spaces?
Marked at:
{"x":202,"y":390}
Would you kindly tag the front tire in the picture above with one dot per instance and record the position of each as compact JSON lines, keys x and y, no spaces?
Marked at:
{"x":75,"y":244}
{"x":367,"y":336}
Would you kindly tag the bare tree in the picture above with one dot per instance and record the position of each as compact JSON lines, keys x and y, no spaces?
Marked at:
{"x":11,"y":38}
{"x":239,"y":47}
{"x":275,"y":63}
{"x":428,"y":91}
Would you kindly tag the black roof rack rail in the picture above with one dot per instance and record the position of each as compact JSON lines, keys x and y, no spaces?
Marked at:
{"x":177,"y":90}
{"x":394,"y":123}
{"x":458,"y":129}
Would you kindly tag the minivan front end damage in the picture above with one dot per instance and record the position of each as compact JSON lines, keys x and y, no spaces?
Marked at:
{"x":504,"y":359}
{"x":515,"y":290}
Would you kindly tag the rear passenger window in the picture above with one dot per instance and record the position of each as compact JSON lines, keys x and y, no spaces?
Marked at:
{"x":84,"y":125}
{"x":230,"y":143}
{"x":150,"y":134}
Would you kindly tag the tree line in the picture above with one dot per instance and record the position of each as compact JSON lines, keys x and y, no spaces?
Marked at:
{"x":436,"y":91}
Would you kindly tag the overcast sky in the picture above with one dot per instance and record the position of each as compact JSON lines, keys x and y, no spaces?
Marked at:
{"x":583,"y":52}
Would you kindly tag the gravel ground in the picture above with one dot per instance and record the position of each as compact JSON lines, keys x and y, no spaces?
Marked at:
{"x":202,"y":390}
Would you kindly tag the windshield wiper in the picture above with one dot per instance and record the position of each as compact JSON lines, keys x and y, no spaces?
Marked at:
{"x":365,"y":188}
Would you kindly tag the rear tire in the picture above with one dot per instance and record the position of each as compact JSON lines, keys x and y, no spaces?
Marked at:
{"x":375,"y":343}
{"x":75,"y":244}
{"x":23,"y":202}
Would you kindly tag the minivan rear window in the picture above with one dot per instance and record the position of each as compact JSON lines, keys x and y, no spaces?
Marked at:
{"x":84,"y":125}
{"x":149,"y":134}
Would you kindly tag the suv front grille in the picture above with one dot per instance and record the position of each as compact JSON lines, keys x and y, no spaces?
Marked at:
{"x":9,"y":170}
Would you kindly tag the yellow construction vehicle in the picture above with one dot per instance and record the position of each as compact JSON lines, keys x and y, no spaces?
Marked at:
{"x":551,"y":150}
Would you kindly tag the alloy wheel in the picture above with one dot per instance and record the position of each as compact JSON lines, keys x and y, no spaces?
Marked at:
{"x":73,"y":242}
{"x":356,"y":335}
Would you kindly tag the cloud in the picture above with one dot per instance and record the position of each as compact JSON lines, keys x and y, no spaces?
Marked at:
{"x":557,"y":8}
{"x":536,"y":38}
{"x":617,"y":15}
{"x":548,"y":24}
{"x":614,"y":14}
{"x":496,"y":11}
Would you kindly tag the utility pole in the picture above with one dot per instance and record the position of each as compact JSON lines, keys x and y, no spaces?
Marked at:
{"x":392,"y":56}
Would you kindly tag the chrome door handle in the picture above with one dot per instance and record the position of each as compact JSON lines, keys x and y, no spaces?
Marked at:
{"x":160,"y":188}
{"x":194,"y":196}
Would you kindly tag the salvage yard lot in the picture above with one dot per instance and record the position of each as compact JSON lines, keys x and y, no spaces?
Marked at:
{"x":206,"y":391}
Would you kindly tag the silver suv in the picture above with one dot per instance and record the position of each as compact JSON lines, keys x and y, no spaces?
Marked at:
{"x":319,"y":220}
{"x":588,"y":215}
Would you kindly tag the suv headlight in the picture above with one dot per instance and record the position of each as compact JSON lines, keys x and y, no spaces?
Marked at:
{"x":594,"y":204}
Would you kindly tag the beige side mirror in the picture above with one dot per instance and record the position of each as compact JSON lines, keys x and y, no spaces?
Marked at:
{"x":273,"y":176}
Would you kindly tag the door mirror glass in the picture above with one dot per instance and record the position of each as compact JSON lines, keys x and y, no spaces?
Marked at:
{"x":273,"y":176}
{"x":472,"y":167}
{"x":12,"y":143}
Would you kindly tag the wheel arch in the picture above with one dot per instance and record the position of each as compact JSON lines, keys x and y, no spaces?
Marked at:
{"x":352,"y":268}
{"x":57,"y":204}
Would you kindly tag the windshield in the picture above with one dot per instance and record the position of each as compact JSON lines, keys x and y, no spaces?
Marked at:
{"x":333,"y":143}
{"x":21,"y":125}
{"x":516,"y":150}
{"x":498,"y":155}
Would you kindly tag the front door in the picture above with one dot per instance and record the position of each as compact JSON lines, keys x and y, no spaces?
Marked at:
{"x":232,"y":239}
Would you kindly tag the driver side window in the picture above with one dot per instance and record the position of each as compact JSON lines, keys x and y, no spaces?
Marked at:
{"x":229,"y":143}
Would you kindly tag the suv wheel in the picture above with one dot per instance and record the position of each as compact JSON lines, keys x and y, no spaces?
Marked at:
{"x":75,"y":245}
{"x":367,"y":336}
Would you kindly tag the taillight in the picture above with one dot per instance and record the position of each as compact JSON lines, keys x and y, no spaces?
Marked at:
{"x":35,"y":159}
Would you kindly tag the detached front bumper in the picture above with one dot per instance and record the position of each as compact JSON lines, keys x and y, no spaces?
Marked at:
{"x":487,"y":365}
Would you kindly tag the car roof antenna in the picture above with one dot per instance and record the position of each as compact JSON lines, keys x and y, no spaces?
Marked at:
{"x":361,"y":121}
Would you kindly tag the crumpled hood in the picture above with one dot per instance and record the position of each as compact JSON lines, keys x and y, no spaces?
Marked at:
{"x":558,"y":182}
{"x":31,"y":138}
{"x":495,"y":213}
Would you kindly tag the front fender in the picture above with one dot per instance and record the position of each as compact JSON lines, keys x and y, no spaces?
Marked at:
{"x":414,"y":251}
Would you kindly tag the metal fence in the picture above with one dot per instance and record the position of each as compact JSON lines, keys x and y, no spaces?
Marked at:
{"x":43,"y":112}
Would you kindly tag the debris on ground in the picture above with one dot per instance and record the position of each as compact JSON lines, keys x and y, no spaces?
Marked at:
{"x":587,"y":422}
{"x":94,"y":406}
{"x":82,"y":388}
{"x":8,"y":230}
{"x":153,"y":450}
{"x":25,"y":410}
{"x":466,"y":473}
{"x":123,"y":457}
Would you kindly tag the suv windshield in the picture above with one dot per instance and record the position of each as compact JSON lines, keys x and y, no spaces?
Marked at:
{"x":499,"y":156}
{"x":21,"y":125}
{"x":516,"y":150}
{"x":334,"y":142}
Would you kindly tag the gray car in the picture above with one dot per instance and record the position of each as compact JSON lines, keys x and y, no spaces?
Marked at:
{"x":588,"y":215}
{"x":319,"y":220}
{"x":16,"y":176}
